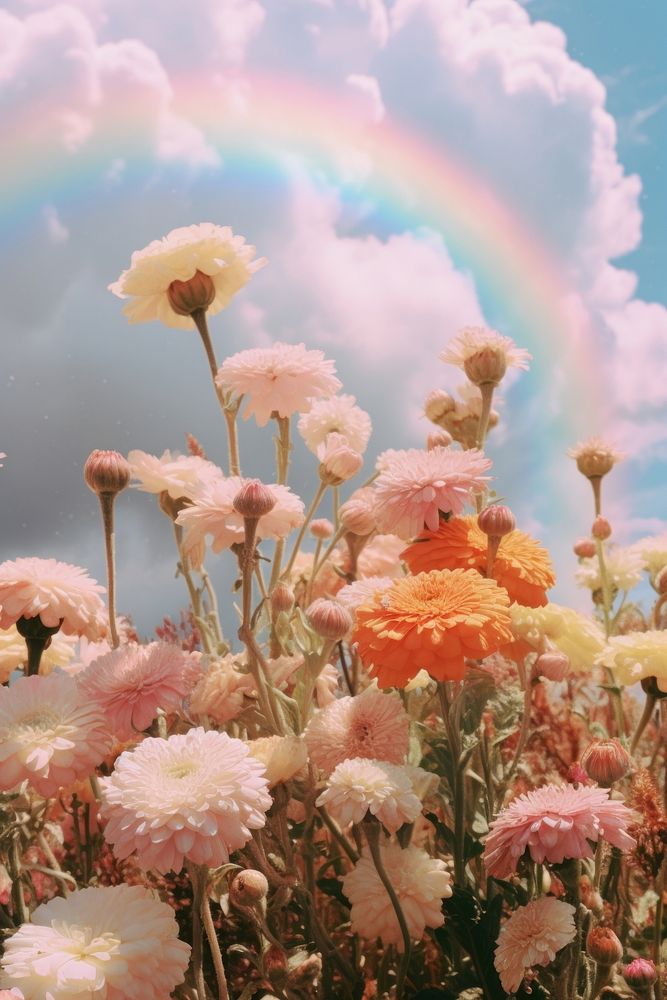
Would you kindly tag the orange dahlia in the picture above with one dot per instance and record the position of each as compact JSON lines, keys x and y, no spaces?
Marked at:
{"x":522,"y":566}
{"x":432,"y":621}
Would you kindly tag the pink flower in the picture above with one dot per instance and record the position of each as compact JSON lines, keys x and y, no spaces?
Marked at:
{"x":222,"y":692}
{"x":196,"y":796}
{"x":283,"y":378}
{"x":357,"y":514}
{"x":372,"y":725}
{"x":381,"y":557}
{"x":132,"y":682}
{"x":532,"y":936}
{"x":554,"y":823}
{"x":338,"y":461}
{"x":61,"y":594}
{"x":415,"y":486}
{"x":338,"y":415}
{"x":353,"y":595}
{"x":178,"y":475}
{"x":484,"y":355}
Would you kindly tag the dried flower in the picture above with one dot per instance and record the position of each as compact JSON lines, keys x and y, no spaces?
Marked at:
{"x":595,"y":458}
{"x":532,"y":936}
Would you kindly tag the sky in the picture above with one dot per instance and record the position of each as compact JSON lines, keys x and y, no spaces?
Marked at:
{"x":407,"y":167}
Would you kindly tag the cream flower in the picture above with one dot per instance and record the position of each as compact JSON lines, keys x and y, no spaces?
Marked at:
{"x":580,"y":638}
{"x":359,"y":786}
{"x":204,"y":249}
{"x":61,"y":594}
{"x":340,"y":415}
{"x":178,"y":475}
{"x":283,"y":378}
{"x":653,"y":552}
{"x":114,"y":942}
{"x":624,"y":569}
{"x":637,"y":655}
{"x":532,"y":936}
{"x":282,"y":756}
{"x":14,"y":653}
{"x":222,"y":692}
{"x":420,"y":882}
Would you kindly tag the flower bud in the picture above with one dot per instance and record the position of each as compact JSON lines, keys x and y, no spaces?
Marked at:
{"x":438,"y":439}
{"x":301,"y":975}
{"x":552,"y":665}
{"x":248,"y":888}
{"x":254,"y":499}
{"x":338,"y":462}
{"x":437,"y":405}
{"x":576,"y":775}
{"x":194,"y":446}
{"x":282,"y":599}
{"x":106,"y":472}
{"x":357,"y":514}
{"x":321,"y":528}
{"x":584,"y":548}
{"x":595,"y":458}
{"x":640,"y":973}
{"x":588,"y":894}
{"x":603,"y":946}
{"x":496,"y":520}
{"x":486,"y":366}
{"x":606,"y":761}
{"x":186,"y":297}
{"x":601,"y":528}
{"x":329,"y":619}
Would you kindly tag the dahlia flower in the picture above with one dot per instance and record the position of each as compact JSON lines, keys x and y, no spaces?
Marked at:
{"x":415,"y":487}
{"x":580,"y":638}
{"x":339,"y":415}
{"x":372,"y":725}
{"x":480,"y":351}
{"x":224,"y":261}
{"x":178,"y":475}
{"x":595,"y":458}
{"x":554,"y":823}
{"x":433,"y":620}
{"x":61,"y":594}
{"x":624,"y":569}
{"x":637,"y":655}
{"x":283,"y":378}
{"x":522,"y":566}
{"x":196,"y":796}
{"x":113,"y":942}
{"x":49,"y":734}
{"x":420,"y":882}
{"x":132,"y":682}
{"x":282,"y":756}
{"x":531,"y":936}
{"x":222,"y":691}
{"x":358,"y":786}
{"x":14,"y":653}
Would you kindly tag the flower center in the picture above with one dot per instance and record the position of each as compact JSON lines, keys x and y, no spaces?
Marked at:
{"x":43,"y":721}
{"x":181,"y":769}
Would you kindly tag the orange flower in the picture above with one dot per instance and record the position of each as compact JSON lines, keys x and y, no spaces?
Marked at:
{"x":432,"y":621}
{"x":522,"y":566}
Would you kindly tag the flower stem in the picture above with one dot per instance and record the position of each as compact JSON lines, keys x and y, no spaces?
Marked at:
{"x":458,"y":789}
{"x":311,"y":510}
{"x":229,"y":413}
{"x":372,"y":830}
{"x":14,"y":866}
{"x":197,"y":941}
{"x":649,"y":707}
{"x":106,"y":506}
{"x":486,"y":390}
{"x":214,"y":944}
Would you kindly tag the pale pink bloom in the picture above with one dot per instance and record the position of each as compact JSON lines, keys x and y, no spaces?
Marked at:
{"x":373,"y":725}
{"x":416,"y":486}
{"x":339,"y":415}
{"x":338,"y":461}
{"x":532,"y":936}
{"x":132,"y":682}
{"x":14,"y":653}
{"x":178,"y":475}
{"x":282,"y":756}
{"x":281,"y":669}
{"x":61,"y":594}
{"x":117,"y":942}
{"x":205,"y":248}
{"x":554,"y":823}
{"x":49,"y":734}
{"x":196,"y":796}
{"x":222,"y":693}
{"x":420,"y":882}
{"x":352,"y":595}
{"x":381,"y":557}
{"x":357,"y":514}
{"x":321,"y":528}
{"x":473,"y":340}
{"x":283,"y":378}
{"x":358,"y":786}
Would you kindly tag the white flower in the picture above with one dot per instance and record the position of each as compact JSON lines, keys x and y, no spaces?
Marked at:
{"x":282,"y":756}
{"x":177,"y":475}
{"x":580,"y":638}
{"x":340,"y":415}
{"x":653,"y":552}
{"x":637,"y":655}
{"x":359,"y":786}
{"x":532,"y":936}
{"x":624,"y":569}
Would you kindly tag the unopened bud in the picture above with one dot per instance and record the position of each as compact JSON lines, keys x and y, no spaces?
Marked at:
{"x":357,"y":514}
{"x":338,"y":462}
{"x":194,"y":446}
{"x":106,"y":472}
{"x":595,"y":458}
{"x":438,"y":404}
{"x":282,"y":599}
{"x":321,"y":528}
{"x":487,"y":366}
{"x":254,"y":499}
{"x":552,"y":665}
{"x":496,"y":521}
{"x":438,"y":439}
{"x":640,"y":973}
{"x":584,"y":548}
{"x":603,"y":946}
{"x":601,"y":528}
{"x":248,"y":888}
{"x":606,"y":761}
{"x":186,"y":297}
{"x":329,"y":619}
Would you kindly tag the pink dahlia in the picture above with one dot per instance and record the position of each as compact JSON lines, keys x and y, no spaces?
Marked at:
{"x":50,"y":735}
{"x":532,"y":936}
{"x":283,"y":378}
{"x":360,"y":786}
{"x":132,"y":682}
{"x":336,"y":415}
{"x":554,"y":823}
{"x":117,"y":942}
{"x":177,"y":475}
{"x":59,"y":593}
{"x":196,"y":796}
{"x":373,"y":725}
{"x":415,"y":487}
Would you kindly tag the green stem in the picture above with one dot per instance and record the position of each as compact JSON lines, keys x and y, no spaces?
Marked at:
{"x":372,"y":830}
{"x":458,"y":789}
{"x":295,"y":551}
{"x":214,"y":944}
{"x":229,"y":412}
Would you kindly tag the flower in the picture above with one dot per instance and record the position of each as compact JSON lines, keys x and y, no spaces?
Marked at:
{"x":222,"y":692}
{"x":114,"y":942}
{"x":359,"y":785}
{"x":372,"y":725}
{"x":339,"y":415}
{"x":178,"y":475}
{"x":381,"y":557}
{"x":329,"y":619}
{"x":282,"y":756}
{"x":352,"y":595}
{"x":357,"y":514}
{"x":14,"y":653}
{"x":130,"y":683}
{"x":196,"y":796}
{"x":433,"y":620}
{"x":637,"y":655}
{"x":201,"y":251}
{"x":580,"y":638}
{"x":484,"y":355}
{"x":522,"y":566}
{"x":653,"y":552}
{"x":603,"y":946}
{"x":554,"y":823}
{"x":595,"y":458}
{"x":606,"y":761}
{"x":338,"y":461}
{"x":532,"y":936}
{"x":420,"y":882}
{"x":49,"y":734}
{"x":415,"y":487}
{"x":624,"y":569}
{"x":282,"y":378}
{"x":641,"y":973}
{"x":59,"y":593}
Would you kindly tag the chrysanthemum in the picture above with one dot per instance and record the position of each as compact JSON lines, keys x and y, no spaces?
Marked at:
{"x":117,"y":942}
{"x":433,"y":620}
{"x":352,"y":595}
{"x":282,"y":756}
{"x":178,"y":475}
{"x":283,"y":378}
{"x":359,"y":786}
{"x":522,"y":566}
{"x":204,"y":249}
{"x":637,"y":655}
{"x":415,"y":487}
{"x":222,"y":691}
{"x":381,"y":557}
{"x":624,"y":569}
{"x":14,"y":653}
{"x":61,"y":594}
{"x":339,"y":415}
{"x":532,"y":936}
{"x":653,"y":552}
{"x":49,"y":734}
{"x":554,"y":823}
{"x":372,"y":725}
{"x":195,"y":796}
{"x":420,"y":882}
{"x":580,"y":638}
{"x":595,"y":457}
{"x":132,"y":682}
{"x":484,"y":348}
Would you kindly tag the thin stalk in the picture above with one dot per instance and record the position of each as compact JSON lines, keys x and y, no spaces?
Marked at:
{"x":338,"y":835}
{"x":606,"y":589}
{"x":295,"y":551}
{"x":229,"y":413}
{"x":14,"y":866}
{"x":193,"y":591}
{"x":649,"y":707}
{"x":458,"y":791}
{"x":197,"y":940}
{"x":486,"y":390}
{"x":372,"y":830}
{"x":106,"y":506}
{"x":657,"y":928}
{"x":524,"y":732}
{"x":214,"y":944}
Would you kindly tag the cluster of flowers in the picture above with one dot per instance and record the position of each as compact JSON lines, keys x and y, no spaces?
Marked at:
{"x":411,"y":745}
